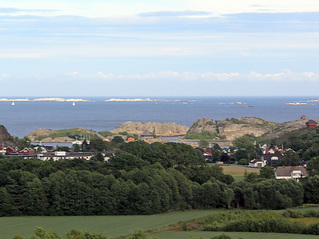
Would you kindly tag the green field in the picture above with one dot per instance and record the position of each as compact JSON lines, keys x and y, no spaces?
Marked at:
{"x":115,"y":226}
{"x":233,"y":235}
{"x":111,"y":226}
{"x":238,"y":172}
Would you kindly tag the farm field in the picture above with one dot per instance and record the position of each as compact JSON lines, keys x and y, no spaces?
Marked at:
{"x":110,"y":226}
{"x":238,"y":172}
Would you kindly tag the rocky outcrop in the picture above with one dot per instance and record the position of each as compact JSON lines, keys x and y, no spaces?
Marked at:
{"x":34,"y":135}
{"x":234,"y":128}
{"x":50,"y":135}
{"x":289,"y":127}
{"x":4,"y":135}
{"x":6,"y":138}
{"x":203,"y":124}
{"x":159,"y":129}
{"x":230,"y":129}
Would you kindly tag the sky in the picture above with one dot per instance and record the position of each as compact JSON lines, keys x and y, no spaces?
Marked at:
{"x":151,"y":48}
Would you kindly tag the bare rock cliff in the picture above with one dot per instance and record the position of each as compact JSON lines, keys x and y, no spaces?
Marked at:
{"x":159,"y":129}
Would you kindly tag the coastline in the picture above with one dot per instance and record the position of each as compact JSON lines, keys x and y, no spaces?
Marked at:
{"x":44,"y":100}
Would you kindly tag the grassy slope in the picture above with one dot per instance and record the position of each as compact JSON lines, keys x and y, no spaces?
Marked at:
{"x":111,"y":226}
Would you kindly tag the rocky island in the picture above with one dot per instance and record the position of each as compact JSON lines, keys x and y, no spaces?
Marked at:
{"x":133,"y":100}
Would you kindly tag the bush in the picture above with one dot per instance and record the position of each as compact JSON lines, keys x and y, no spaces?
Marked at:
{"x":221,"y":236}
{"x":248,"y":221}
{"x":243,"y":162}
{"x":292,"y":214}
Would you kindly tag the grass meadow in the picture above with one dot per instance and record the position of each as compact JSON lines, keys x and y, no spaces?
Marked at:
{"x":238,"y":172}
{"x":116,"y":226}
{"x":111,"y":226}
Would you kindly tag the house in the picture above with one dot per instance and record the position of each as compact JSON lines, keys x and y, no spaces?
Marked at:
{"x":291,"y":172}
{"x":44,"y":149}
{"x":78,"y":142}
{"x":303,"y":117}
{"x":257,"y":163}
{"x":130,"y":139}
{"x":311,"y":124}
{"x":62,"y":155}
{"x":107,"y":154}
{"x":28,"y":151}
{"x":272,"y":158}
{"x":146,"y":135}
{"x":11,"y":150}
{"x":3,"y":150}
{"x":208,"y":152}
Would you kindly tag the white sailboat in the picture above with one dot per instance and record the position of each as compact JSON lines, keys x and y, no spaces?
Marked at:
{"x":73,"y":104}
{"x":13,"y":103}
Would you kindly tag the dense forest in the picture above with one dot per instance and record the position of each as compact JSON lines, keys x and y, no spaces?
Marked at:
{"x":141,"y":179}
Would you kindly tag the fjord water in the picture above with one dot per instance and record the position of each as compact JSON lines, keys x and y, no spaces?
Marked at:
{"x":24,"y":117}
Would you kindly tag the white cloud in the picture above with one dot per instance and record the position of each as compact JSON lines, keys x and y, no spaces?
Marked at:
{"x":287,"y":76}
{"x":98,"y":8}
{"x":251,"y":6}
{"x":4,"y":76}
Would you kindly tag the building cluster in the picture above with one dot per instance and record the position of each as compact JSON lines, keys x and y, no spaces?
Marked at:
{"x":48,"y":153}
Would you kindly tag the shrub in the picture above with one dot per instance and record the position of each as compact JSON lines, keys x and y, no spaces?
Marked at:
{"x":221,"y":236}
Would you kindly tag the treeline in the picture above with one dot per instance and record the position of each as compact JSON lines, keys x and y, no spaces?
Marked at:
{"x":142,"y":179}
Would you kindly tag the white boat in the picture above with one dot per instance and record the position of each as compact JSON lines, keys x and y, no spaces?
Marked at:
{"x":73,"y":104}
{"x":13,"y":103}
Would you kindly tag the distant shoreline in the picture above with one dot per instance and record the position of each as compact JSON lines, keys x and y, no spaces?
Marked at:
{"x":44,"y":100}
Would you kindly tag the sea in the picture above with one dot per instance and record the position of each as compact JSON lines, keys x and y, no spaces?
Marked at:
{"x":24,"y":117}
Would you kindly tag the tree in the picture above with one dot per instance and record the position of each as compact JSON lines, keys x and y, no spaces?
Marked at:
{"x":267,"y":172}
{"x":98,"y":157}
{"x":76,"y":148}
{"x":313,"y":166}
{"x":203,"y":143}
{"x":126,"y":161}
{"x":311,"y":188}
{"x":98,"y":145}
{"x":291,"y":158}
{"x":118,"y":139}
{"x":246,"y":141}
{"x":241,"y":154}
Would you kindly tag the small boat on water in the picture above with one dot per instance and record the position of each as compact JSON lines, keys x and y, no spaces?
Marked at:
{"x":13,"y":103}
{"x":73,"y":104}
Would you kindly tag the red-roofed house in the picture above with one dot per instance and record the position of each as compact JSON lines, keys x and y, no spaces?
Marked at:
{"x":311,"y":123}
{"x":10,"y":150}
{"x":27,"y":151}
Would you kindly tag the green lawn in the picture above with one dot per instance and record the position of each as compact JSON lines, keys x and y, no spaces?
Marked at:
{"x":238,"y":172}
{"x":233,"y":235}
{"x":111,"y":226}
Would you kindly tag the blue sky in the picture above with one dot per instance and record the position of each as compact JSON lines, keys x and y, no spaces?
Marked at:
{"x":159,"y":48}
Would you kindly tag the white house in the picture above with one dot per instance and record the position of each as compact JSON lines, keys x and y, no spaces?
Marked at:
{"x":291,"y":172}
{"x":257,"y":163}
